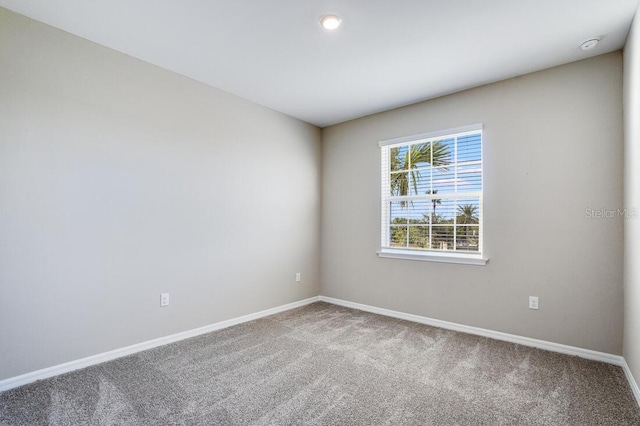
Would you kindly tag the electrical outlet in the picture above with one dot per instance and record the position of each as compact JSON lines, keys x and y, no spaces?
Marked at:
{"x":533,"y":302}
{"x":298,"y":277}
{"x":164,"y":299}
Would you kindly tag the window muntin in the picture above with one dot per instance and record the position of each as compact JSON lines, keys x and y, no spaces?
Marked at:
{"x":432,"y":193}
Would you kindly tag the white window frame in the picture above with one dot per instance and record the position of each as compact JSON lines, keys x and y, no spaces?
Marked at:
{"x":449,"y":256}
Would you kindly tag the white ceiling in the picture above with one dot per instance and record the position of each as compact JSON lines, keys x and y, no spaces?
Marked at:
{"x":386,"y":54}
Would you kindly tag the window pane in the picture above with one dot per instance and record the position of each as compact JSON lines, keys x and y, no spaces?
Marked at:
{"x":399,"y":183}
{"x":398,"y":213}
{"x":419,"y":212}
{"x":398,"y":236}
{"x":420,"y":179}
{"x":468,"y":211}
{"x":444,"y":180}
{"x":442,"y":237}
{"x":467,"y":237}
{"x":469,"y":177}
{"x":442,"y":152}
{"x":420,"y":154}
{"x":419,"y":237}
{"x":469,"y":147}
{"x":442,"y":210}
{"x":398,"y":158}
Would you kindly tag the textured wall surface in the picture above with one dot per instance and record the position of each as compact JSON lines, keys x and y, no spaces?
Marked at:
{"x":553,"y":148}
{"x":120,"y":181}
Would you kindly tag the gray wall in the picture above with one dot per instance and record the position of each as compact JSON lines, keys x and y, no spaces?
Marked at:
{"x":632,"y":199}
{"x":119,"y":181}
{"x":553,"y":148}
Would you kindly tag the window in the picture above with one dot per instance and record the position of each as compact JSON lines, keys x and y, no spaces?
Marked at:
{"x":432,"y":196}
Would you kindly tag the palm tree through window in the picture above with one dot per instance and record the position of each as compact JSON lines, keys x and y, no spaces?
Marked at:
{"x":432,"y":192}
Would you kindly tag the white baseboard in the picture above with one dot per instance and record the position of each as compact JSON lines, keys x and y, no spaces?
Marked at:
{"x":525,"y":341}
{"x":632,"y":382}
{"x":512,"y":338}
{"x":23,"y":379}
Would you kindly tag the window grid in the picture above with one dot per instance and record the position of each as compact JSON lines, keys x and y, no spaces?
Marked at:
{"x":457,"y":230}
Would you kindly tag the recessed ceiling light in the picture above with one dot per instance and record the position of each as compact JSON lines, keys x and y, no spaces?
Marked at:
{"x":330,"y":22}
{"x":589,"y":44}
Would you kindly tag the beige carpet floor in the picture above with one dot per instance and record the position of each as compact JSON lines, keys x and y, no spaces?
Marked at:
{"x":328,"y":365}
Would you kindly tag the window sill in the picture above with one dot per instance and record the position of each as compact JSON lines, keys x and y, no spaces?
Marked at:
{"x":433,"y":257}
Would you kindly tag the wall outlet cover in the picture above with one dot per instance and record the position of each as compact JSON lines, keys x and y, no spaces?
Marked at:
{"x":164,"y":299}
